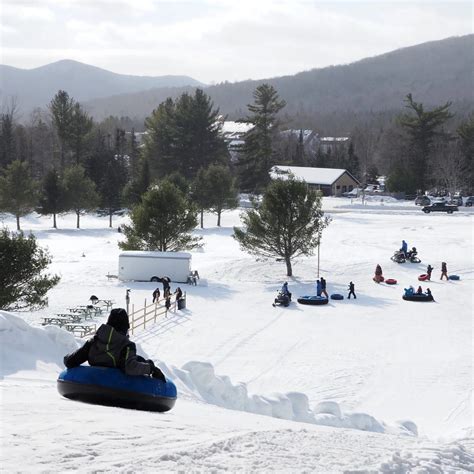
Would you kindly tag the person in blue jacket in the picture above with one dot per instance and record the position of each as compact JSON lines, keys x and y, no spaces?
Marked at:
{"x":409,"y":291}
{"x":404,"y":248}
{"x":285,"y":291}
{"x":319,"y":288}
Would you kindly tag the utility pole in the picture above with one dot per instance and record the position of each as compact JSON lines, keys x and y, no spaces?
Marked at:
{"x":319,"y":245}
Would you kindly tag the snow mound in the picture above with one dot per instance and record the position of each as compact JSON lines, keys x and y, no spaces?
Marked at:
{"x":23,"y":346}
{"x":219,"y":390}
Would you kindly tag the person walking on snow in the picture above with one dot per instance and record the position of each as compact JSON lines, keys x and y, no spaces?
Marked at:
{"x":166,"y":285}
{"x":111,"y":347}
{"x":323,"y":288}
{"x":429,"y":269}
{"x":156,"y":295}
{"x":444,"y":270}
{"x":351,"y":291}
{"x":404,"y":248}
{"x":318,"y":288}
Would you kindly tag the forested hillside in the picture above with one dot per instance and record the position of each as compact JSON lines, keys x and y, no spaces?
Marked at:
{"x":434,"y":72}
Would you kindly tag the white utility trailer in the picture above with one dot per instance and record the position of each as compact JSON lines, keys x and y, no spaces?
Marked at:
{"x":143,"y":265}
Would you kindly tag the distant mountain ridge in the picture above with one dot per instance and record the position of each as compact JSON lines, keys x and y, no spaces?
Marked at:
{"x":433,"y":72}
{"x":36,"y":87}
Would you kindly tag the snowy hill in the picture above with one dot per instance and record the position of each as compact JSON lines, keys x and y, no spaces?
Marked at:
{"x":376,"y":370}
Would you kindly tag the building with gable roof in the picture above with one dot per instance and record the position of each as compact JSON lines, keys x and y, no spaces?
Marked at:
{"x":331,"y":181}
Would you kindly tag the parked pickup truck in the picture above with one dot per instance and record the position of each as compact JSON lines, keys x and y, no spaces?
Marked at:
{"x":440,"y":207}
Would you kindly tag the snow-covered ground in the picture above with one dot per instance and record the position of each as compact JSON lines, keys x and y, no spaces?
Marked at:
{"x":256,"y":383}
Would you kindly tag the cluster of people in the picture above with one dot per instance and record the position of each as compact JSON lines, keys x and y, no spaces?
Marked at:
{"x":410,"y":291}
{"x":166,"y":292}
{"x":321,"y":287}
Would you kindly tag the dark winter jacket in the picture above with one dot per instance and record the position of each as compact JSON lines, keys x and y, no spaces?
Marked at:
{"x":444,"y":267}
{"x":323,"y":284}
{"x":110,"y":348}
{"x":351,"y":286}
{"x":318,"y":288}
{"x":429,"y":269}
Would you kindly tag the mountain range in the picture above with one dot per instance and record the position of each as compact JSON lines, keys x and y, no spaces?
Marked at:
{"x":434,"y":72}
{"x":36,"y":87}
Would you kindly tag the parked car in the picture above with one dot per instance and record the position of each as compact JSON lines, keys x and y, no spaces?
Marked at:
{"x":440,"y":207}
{"x":456,"y":200}
{"x":469,"y":201}
{"x":422,"y":201}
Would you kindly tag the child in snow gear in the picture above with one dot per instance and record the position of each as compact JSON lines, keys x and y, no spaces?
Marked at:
{"x":285,"y":291}
{"x":323,"y":288}
{"x":168,"y":302}
{"x":444,"y":270}
{"x":419,"y":291}
{"x":429,"y":269}
{"x":156,"y":295}
{"x":378,"y":274}
{"x":351,"y":291}
{"x":111,"y":347}
{"x":178,"y":293}
{"x":409,"y":291}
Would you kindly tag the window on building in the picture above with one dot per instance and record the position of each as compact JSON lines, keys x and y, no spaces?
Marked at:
{"x":344,"y":189}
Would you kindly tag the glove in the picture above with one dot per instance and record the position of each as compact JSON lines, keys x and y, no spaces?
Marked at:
{"x":158,"y":374}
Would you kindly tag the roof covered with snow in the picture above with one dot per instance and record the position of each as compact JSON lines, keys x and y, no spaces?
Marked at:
{"x":231,"y":127}
{"x":324,"y":176}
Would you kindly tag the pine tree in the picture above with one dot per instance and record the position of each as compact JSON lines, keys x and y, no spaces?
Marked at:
{"x":112,"y":184}
{"x":200,"y":194}
{"x":256,"y":156}
{"x":466,"y":134}
{"x":134,"y":190}
{"x":17,"y":191}
{"x":52,"y":196}
{"x":61,"y":112}
{"x":422,"y":129}
{"x":79,"y":128}
{"x":80,"y":192}
{"x":163,"y":221}
{"x":184,"y":136}
{"x":287,"y":223}
{"x":222,"y":190}
{"x":22,"y":262}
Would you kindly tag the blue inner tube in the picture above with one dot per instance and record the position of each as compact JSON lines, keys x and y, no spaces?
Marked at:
{"x":337,"y":296}
{"x":112,"y":387}
{"x":313,"y":300}
{"x":415,"y":297}
{"x":454,"y":277}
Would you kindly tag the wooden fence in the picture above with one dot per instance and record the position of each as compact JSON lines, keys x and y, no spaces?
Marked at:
{"x":149,"y":313}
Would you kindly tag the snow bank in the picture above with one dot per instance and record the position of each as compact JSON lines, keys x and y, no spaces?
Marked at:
{"x":219,"y":390}
{"x":24,"y":346}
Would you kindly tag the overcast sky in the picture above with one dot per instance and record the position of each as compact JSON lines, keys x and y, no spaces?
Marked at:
{"x":217,"y":40}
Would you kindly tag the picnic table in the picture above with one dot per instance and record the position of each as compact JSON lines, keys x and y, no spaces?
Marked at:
{"x":87,"y":311}
{"x":81,"y":330}
{"x":56,"y":320}
{"x":73,"y":317}
{"x":107,"y":303}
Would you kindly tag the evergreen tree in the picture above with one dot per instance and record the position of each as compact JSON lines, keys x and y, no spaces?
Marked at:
{"x":134,"y":191}
{"x":61,"y":108}
{"x":257,"y":153}
{"x":163,"y":221}
{"x":22,"y":284}
{"x":112,"y":184}
{"x":184,"y":136}
{"x":466,"y":134}
{"x":352,"y":164}
{"x":288,"y":223}
{"x":300,"y":155}
{"x":200,"y":193}
{"x":7,"y":139}
{"x":79,"y":128}
{"x":180,"y":182}
{"x":52,"y":196}
{"x":422,"y":128}
{"x":17,"y":191}
{"x":80,"y":192}
{"x":222,"y":190}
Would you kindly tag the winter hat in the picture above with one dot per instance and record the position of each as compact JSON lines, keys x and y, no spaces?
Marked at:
{"x":118,"y":319}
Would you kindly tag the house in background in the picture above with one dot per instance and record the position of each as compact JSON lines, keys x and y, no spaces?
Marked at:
{"x":331,"y":181}
{"x":309,"y":138}
{"x":333,"y":144}
{"x":233,"y":133}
